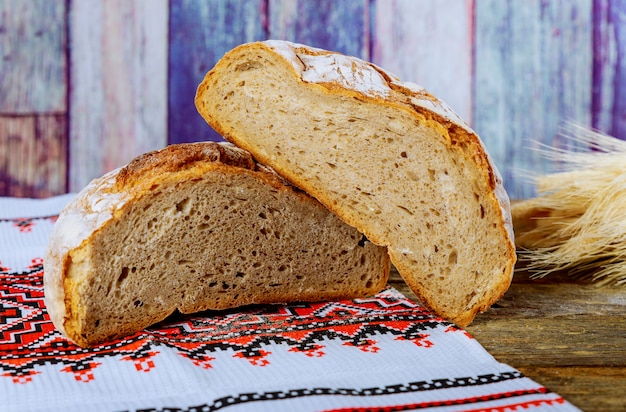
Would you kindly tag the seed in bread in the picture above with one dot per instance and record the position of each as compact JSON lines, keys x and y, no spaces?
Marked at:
{"x":386,"y":156}
{"x":195,"y":227}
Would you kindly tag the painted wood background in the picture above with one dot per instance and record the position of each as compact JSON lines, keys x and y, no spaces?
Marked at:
{"x":86,"y":85}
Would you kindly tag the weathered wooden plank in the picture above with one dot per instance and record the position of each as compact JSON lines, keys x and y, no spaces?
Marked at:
{"x":617,"y":17}
{"x":33,"y":62}
{"x":342,"y":26}
{"x":118,"y":93}
{"x":588,"y":388}
{"x":566,"y":335}
{"x":608,"y":108}
{"x":201,"y":31}
{"x":34,"y":155}
{"x":569,"y":337}
{"x":429,"y":43}
{"x":533,"y":63}
{"x":604,"y":64}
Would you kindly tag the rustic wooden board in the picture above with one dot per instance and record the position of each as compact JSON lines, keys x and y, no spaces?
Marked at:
{"x":118,"y":96}
{"x":34,"y":155}
{"x":200,"y":33}
{"x":567,"y":335}
{"x":577,"y":320}
{"x":33,"y":64}
{"x":342,"y":26}
{"x":533,"y":72}
{"x":589,"y":388}
{"x":428,"y":43}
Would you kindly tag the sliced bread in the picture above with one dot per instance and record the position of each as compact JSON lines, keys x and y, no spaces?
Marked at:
{"x":387,"y":157}
{"x":195,"y":227}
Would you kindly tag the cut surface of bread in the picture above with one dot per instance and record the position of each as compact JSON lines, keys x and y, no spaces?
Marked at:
{"x":386,"y":156}
{"x":194,"y":227}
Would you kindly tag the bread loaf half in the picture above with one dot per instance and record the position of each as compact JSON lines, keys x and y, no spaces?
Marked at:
{"x":386,"y":156}
{"x":195,"y":227}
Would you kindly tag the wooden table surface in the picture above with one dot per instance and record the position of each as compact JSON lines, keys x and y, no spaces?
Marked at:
{"x":568,"y":335}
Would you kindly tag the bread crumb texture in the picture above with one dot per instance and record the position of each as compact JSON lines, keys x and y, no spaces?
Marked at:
{"x":207,"y":233}
{"x":386,"y":156}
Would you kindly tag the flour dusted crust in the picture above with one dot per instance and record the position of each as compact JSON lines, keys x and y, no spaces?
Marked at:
{"x":328,"y":90}
{"x":76,"y":277}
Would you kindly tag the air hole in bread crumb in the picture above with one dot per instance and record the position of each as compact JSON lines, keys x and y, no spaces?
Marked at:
{"x":482,"y":212}
{"x":362,"y":241}
{"x":411,"y":175}
{"x":183,"y":206}
{"x":151,"y":223}
{"x":431,"y":174}
{"x":405,"y":210}
{"x":453,"y":257}
{"x":123,"y":275}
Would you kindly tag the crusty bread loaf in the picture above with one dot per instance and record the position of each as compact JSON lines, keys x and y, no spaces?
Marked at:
{"x":195,"y":227}
{"x":387,"y":157}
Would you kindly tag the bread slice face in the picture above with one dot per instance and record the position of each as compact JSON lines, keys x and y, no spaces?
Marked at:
{"x":387,"y":157}
{"x":194,"y":227}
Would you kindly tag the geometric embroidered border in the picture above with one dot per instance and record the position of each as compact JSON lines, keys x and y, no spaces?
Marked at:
{"x":28,"y":338}
{"x":411,"y":387}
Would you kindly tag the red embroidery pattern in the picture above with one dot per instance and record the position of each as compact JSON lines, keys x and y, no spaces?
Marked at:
{"x":515,"y":406}
{"x":25,"y":225}
{"x":28,"y":339}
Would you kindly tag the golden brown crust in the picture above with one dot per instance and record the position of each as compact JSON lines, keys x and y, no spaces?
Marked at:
{"x":175,"y":158}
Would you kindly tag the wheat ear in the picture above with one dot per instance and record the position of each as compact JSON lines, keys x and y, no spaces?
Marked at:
{"x":577,"y":222}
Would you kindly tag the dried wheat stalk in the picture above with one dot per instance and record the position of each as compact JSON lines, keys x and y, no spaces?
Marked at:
{"x":577,"y":222}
